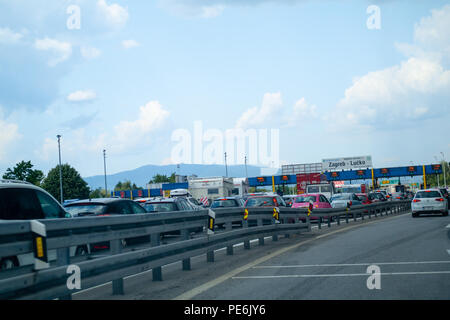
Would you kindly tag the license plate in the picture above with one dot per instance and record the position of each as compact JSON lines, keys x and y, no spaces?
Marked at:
{"x":428,"y":208}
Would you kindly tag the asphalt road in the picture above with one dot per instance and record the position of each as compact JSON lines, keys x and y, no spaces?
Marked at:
{"x":411,"y":255}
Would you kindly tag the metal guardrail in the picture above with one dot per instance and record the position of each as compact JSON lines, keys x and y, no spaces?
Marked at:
{"x":119,"y":262}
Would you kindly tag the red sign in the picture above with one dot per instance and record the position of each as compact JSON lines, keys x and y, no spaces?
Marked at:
{"x":261,"y":179}
{"x":411,"y":169}
{"x":303,"y":179}
{"x":139,"y":193}
{"x":285,"y":178}
{"x":384,"y":171}
{"x":334,"y":174}
{"x":122,"y":194}
{"x":361,"y":172}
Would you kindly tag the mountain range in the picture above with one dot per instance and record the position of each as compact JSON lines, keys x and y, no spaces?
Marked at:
{"x":142,"y":175}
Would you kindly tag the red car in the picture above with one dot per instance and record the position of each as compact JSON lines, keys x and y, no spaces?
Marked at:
{"x":364,"y":198}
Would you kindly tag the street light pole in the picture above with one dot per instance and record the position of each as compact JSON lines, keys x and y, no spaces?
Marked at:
{"x":445,"y":178}
{"x":104,"y":167}
{"x":60,"y":169}
{"x":437,"y":174}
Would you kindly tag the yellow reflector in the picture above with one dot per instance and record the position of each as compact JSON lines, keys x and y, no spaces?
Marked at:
{"x":40,"y":247}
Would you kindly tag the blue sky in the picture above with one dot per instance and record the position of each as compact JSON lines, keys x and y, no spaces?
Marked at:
{"x":136,"y":71}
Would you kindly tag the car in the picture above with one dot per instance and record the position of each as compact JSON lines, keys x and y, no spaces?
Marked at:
{"x":386,"y":194}
{"x":165,"y":205}
{"x":377,"y":197}
{"x":364,"y":198}
{"x":399,"y":196}
{"x":343,"y":200}
{"x":228,"y":202}
{"x":318,"y":200}
{"x":269,"y":200}
{"x":106,"y":207}
{"x":289,"y":199}
{"x":429,"y":201}
{"x":445,"y":193}
{"x":20,"y":200}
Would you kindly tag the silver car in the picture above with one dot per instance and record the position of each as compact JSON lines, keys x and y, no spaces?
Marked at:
{"x":342,"y":200}
{"x":429,"y":201}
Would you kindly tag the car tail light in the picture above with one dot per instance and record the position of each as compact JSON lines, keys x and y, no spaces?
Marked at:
{"x":100,"y":247}
{"x":440,"y":199}
{"x":416,"y":200}
{"x":350,"y":203}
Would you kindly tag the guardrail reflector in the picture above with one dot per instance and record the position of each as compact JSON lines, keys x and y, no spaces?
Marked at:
{"x":39,"y":235}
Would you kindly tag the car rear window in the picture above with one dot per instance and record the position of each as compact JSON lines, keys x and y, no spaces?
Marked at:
{"x":340,"y":197}
{"x":313,"y":189}
{"x":224,"y":203}
{"x":303,"y":199}
{"x":262,"y":201}
{"x":160,"y":207}
{"x":86,"y":209}
{"x":428,"y":194}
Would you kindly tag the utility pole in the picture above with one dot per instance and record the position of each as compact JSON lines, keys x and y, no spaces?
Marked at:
{"x":245,"y":161}
{"x":437,"y":174}
{"x":60,"y":169}
{"x":104,"y":167}
{"x":444,"y":165}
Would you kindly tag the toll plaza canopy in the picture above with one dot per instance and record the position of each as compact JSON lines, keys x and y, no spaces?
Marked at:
{"x":363,"y":174}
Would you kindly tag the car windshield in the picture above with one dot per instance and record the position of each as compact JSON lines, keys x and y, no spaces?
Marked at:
{"x":80,"y":209}
{"x":303,"y":199}
{"x":428,"y":194}
{"x":375,"y":196}
{"x":160,"y":207}
{"x":325,"y":189}
{"x":340,"y":197}
{"x":224,"y":203}
{"x":262,"y":201}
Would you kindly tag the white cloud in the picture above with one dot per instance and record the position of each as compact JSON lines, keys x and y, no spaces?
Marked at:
{"x":268,"y":111}
{"x":114,"y":14}
{"x":151,"y":117}
{"x":302,"y":111}
{"x":8,"y":36}
{"x":417,"y":88}
{"x":128,"y":44}
{"x":90,"y":52}
{"x":10,"y":134}
{"x":82,"y":96}
{"x":61,"y":50}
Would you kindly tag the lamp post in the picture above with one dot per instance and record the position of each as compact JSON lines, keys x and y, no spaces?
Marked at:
{"x":226,"y":167}
{"x":445,"y":178}
{"x":60,"y":169}
{"x":104,"y":167}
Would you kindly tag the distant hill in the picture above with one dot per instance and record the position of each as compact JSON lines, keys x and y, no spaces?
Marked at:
{"x":141,"y":176}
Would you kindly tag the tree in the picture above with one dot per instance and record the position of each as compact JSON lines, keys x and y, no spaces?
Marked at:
{"x":74,"y":187}
{"x":24,"y":171}
{"x":127,"y":185}
{"x":162,"y":178}
{"x":98,"y":193}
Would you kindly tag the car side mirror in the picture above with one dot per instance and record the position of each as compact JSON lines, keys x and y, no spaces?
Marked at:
{"x":67,"y":215}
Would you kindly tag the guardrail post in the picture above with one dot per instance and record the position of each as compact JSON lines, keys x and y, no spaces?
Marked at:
{"x":246,"y":242}
{"x":186,"y":263}
{"x":338,"y":219}
{"x":261,"y":239}
{"x":117,"y":285}
{"x":285,"y":221}
{"x":329,"y":221}
{"x":229,"y":227}
{"x":354,"y":216}
{"x":346,"y":217}
{"x":155,"y":240}
{"x":362,"y":215}
{"x":63,"y":259}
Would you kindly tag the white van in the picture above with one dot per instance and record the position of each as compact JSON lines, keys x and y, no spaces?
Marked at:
{"x":327,"y":189}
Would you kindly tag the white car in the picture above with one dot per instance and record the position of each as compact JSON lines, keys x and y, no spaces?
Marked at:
{"x":342,"y":200}
{"x":429,"y":201}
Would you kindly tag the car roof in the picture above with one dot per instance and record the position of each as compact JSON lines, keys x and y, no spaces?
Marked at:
{"x":162,"y":200}
{"x":97,"y":201}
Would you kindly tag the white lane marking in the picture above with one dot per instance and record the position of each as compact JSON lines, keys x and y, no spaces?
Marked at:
{"x":349,"y":264}
{"x":210,"y":284}
{"x":339,"y":275}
